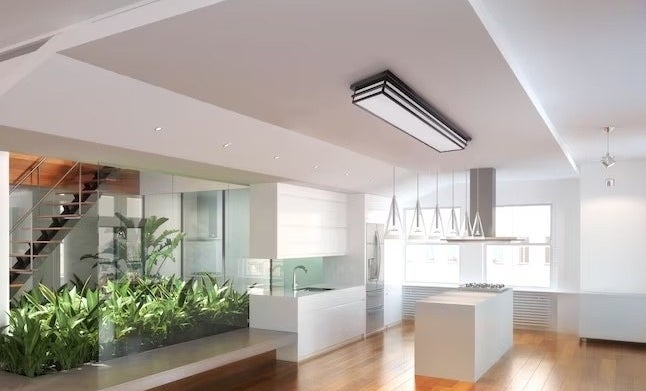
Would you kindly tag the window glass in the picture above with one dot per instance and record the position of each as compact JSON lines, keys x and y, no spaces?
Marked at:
{"x":516,"y":265}
{"x":433,"y":263}
{"x":532,"y":222}
{"x":527,"y":265}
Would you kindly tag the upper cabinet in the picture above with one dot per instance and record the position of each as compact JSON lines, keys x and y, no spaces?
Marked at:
{"x":290,"y":221}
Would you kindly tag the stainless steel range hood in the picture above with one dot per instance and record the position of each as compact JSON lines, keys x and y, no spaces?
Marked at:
{"x":482,"y":200}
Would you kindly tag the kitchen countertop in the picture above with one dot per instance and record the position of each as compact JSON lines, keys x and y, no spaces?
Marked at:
{"x":281,"y":292}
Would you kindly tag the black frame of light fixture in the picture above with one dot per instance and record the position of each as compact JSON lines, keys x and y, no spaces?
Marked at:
{"x":380,"y":81}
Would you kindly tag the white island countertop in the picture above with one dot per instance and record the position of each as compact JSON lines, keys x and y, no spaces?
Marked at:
{"x":460,"y":334}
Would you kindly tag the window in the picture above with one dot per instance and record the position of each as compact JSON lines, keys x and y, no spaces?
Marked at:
{"x":432,"y":262}
{"x":522,"y":264}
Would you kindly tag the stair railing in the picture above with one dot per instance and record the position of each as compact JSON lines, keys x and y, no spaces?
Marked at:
{"x":51,"y":190}
{"x":27,"y":174}
{"x":30,"y":212}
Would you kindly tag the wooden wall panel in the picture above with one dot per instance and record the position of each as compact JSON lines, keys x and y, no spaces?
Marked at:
{"x":123,"y":182}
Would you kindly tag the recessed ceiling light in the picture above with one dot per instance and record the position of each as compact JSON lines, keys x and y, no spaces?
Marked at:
{"x":316,"y":166}
{"x":158,"y":129}
{"x":226,"y":145}
{"x":347,"y":174}
{"x":276,"y":157}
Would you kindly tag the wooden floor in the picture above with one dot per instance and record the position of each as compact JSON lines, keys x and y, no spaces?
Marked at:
{"x":538,"y":361}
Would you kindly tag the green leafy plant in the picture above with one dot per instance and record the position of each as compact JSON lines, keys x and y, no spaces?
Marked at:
{"x":51,"y":330}
{"x":147,"y":257}
{"x":56,"y":330}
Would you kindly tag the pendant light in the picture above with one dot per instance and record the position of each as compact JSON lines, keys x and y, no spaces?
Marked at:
{"x":417,"y":229}
{"x":608,"y":160}
{"x":437,"y":230}
{"x":454,"y":224}
{"x":478,"y":232}
{"x":465,"y":229}
{"x":394,"y":223}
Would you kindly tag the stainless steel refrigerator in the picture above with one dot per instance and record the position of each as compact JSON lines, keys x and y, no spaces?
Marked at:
{"x":374,"y":277}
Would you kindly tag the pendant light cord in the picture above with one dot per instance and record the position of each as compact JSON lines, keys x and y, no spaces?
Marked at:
{"x":477,"y":190}
{"x":393,"y":201}
{"x":437,"y":187}
{"x":453,"y":189}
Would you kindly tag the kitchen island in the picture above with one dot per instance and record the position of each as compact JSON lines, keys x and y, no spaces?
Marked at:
{"x":460,"y":334}
{"x":324,"y":319}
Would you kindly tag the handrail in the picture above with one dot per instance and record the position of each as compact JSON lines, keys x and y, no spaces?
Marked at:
{"x":20,"y":220}
{"x":27,"y":174}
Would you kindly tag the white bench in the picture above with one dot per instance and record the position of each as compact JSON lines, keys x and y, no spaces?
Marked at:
{"x":157,"y":367}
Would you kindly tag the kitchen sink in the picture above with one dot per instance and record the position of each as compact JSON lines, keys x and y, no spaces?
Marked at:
{"x":314,"y":289}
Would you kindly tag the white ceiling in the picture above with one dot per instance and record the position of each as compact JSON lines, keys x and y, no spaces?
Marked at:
{"x":526,"y":80}
{"x":585,"y":61}
{"x":291,"y":64}
{"x":24,"y":20}
{"x":79,"y":101}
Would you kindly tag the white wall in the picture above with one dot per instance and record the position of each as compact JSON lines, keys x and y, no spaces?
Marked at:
{"x":613,"y":222}
{"x":4,"y":238}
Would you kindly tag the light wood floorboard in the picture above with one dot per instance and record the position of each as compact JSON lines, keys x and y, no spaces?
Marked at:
{"x":539,"y":361}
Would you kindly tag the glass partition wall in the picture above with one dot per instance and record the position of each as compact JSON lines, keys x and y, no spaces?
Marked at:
{"x":155,"y":260}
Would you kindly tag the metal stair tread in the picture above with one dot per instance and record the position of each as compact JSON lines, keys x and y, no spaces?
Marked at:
{"x":70,"y":203}
{"x":72,"y":192}
{"x":21,"y":271}
{"x":61,"y":216}
{"x":36,"y":241}
{"x":48,"y":228}
{"x":18,"y":255}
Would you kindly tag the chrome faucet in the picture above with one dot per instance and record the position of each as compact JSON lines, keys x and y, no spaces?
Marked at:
{"x":294,"y":284}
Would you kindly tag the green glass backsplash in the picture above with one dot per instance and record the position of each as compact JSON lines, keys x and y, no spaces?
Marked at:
{"x":283,"y":275}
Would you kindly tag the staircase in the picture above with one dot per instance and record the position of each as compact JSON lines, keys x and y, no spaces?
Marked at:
{"x":38,"y":233}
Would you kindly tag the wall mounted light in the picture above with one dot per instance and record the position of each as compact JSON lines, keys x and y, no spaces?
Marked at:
{"x":387,"y":97}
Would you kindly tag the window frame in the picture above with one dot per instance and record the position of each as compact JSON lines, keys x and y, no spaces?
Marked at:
{"x":549,"y":245}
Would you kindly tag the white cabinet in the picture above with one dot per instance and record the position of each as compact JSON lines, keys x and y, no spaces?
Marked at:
{"x":290,"y":221}
{"x":322,"y":320}
{"x":613,"y":316}
{"x":326,"y":324}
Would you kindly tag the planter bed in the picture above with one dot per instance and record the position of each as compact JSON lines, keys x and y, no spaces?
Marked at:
{"x":157,"y":367}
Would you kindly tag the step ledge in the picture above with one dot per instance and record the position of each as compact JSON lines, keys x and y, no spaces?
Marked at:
{"x":157,"y":367}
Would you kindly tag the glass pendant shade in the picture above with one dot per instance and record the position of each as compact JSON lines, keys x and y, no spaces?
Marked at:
{"x":394,"y":224}
{"x":417,"y":229}
{"x":437,"y":229}
{"x":453,"y":229}
{"x":394,"y":228}
{"x":478,"y":232}
{"x":466,"y":230}
{"x":454,"y":225}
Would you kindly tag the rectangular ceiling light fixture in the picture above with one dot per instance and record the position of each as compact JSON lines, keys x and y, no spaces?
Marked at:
{"x":388,"y":98}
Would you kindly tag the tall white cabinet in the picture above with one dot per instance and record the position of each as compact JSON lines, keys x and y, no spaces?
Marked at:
{"x":289,"y":221}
